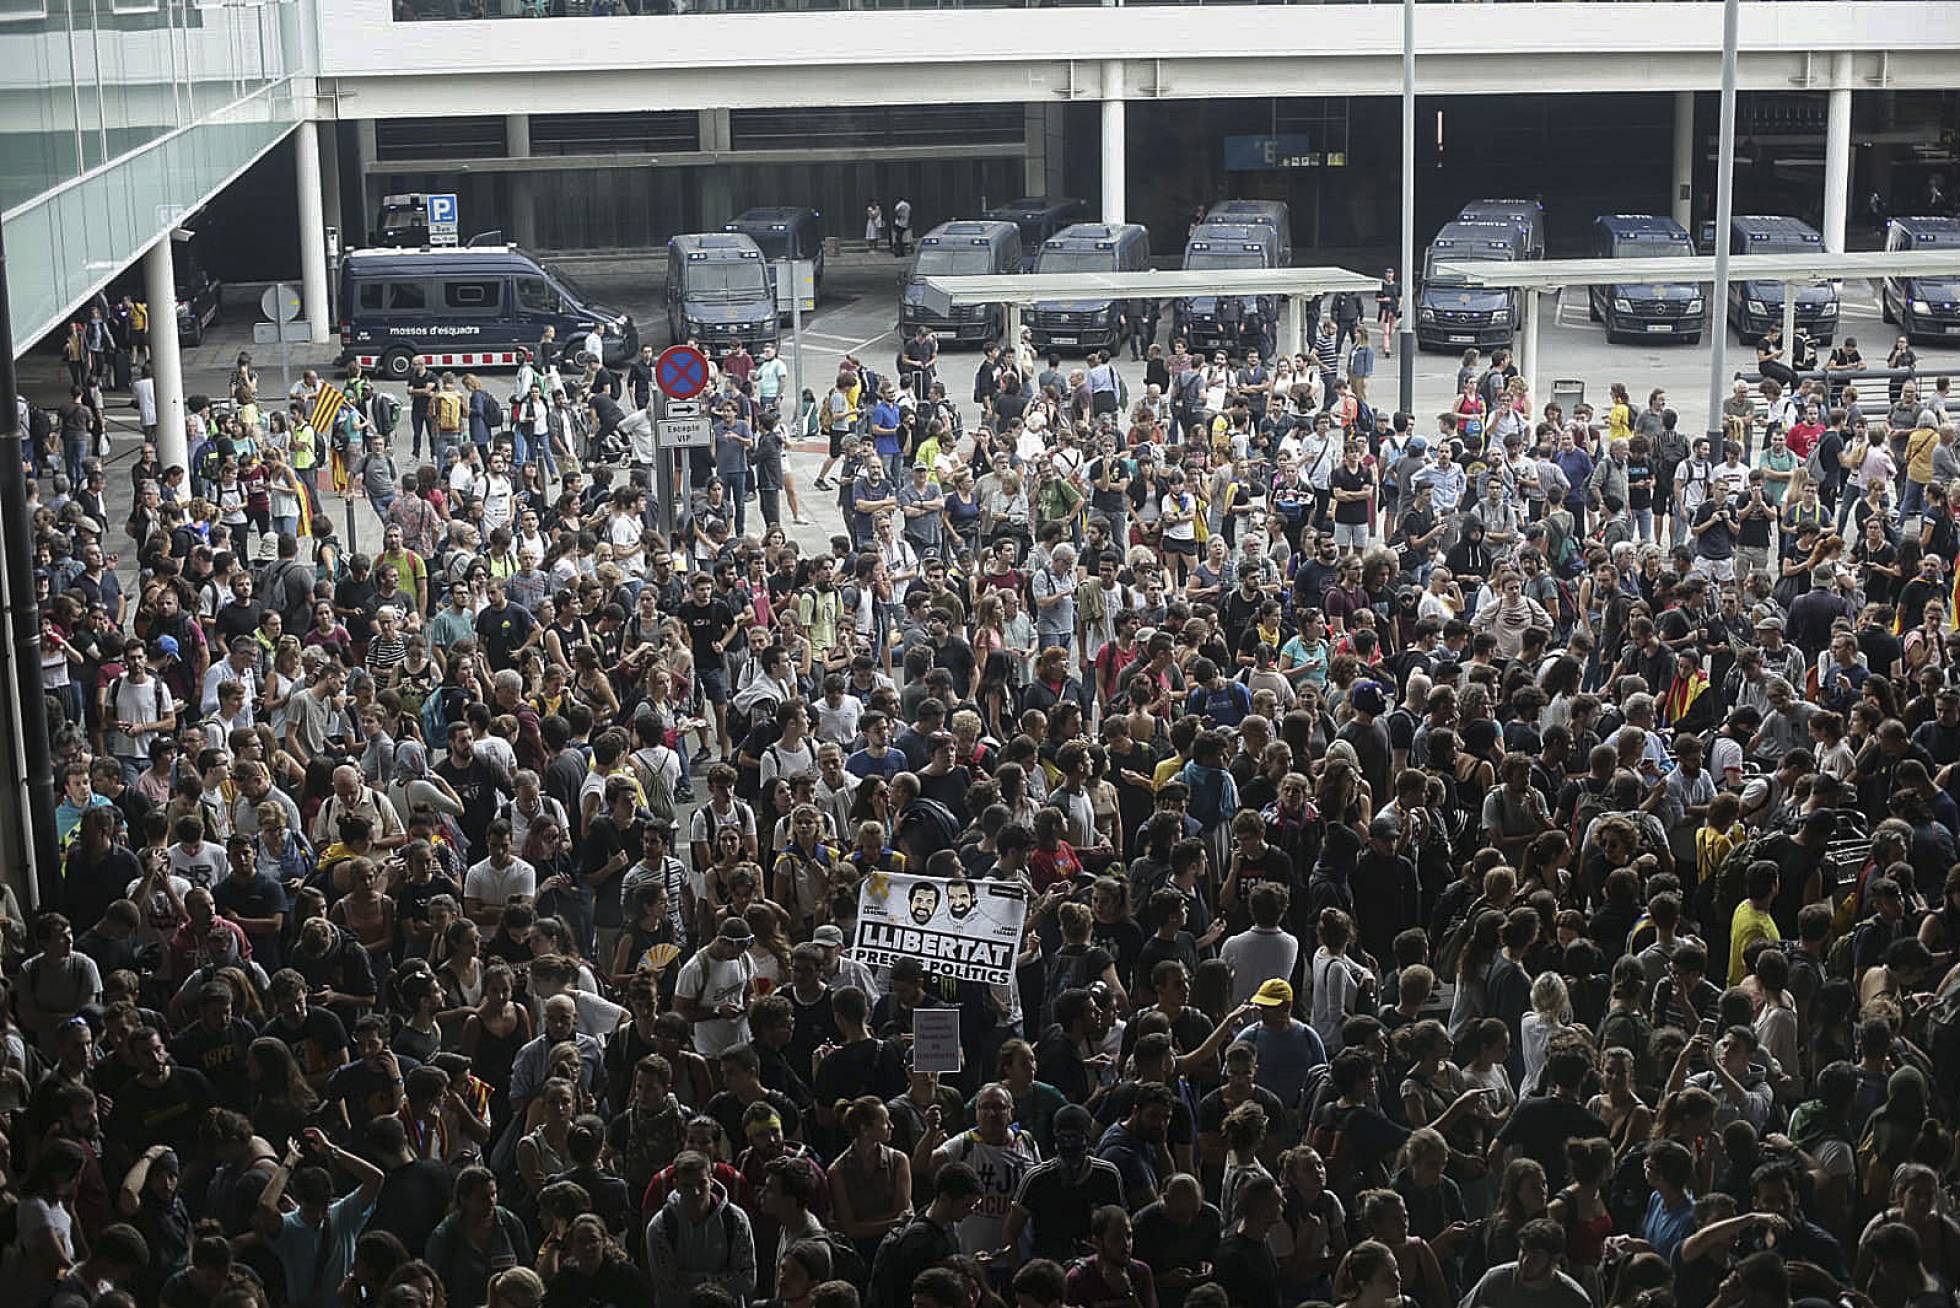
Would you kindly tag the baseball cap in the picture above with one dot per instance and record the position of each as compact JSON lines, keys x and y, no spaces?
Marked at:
{"x":1419,"y":444}
{"x":828,"y":935}
{"x":1367,"y":697}
{"x":167,"y":645}
{"x":1769,"y":622}
{"x":1273,"y":994}
{"x":1385,"y":827}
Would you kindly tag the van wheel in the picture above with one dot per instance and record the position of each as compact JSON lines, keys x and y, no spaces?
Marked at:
{"x":396,"y":363}
{"x":1692,"y":340}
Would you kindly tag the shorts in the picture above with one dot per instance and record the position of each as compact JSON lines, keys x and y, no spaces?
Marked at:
{"x":714,"y":684}
{"x":838,"y":440}
{"x":1715,"y":569}
{"x":1351,"y":535}
{"x":1187,"y":547}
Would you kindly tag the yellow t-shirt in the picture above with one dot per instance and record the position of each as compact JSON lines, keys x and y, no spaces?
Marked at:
{"x":1747,"y":927}
{"x":1920,"y":444}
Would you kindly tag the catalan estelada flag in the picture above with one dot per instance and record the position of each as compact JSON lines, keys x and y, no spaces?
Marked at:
{"x":327,"y":407}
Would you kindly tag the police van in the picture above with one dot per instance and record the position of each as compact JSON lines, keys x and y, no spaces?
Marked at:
{"x":1451,"y":313}
{"x":1922,"y":306}
{"x":1260,"y":213}
{"x":1756,"y":306}
{"x":720,"y":291}
{"x":1038,"y":218}
{"x":1094,"y":324}
{"x":470,"y":307}
{"x":1207,"y":322}
{"x":963,"y":248}
{"x":784,"y":235}
{"x":1527,"y":215}
{"x":1672,"y":311}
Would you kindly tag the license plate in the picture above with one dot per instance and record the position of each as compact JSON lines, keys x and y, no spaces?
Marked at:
{"x":1463,"y":340}
{"x":1063,"y":340}
{"x":1953,"y":329}
{"x":1659,"y":328}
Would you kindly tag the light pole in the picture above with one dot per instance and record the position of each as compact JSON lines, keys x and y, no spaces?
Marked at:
{"x":1407,"y":286}
{"x":1718,"y":318}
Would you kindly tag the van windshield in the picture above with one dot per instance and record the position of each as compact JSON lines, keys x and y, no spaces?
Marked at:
{"x":1499,"y":255}
{"x":741,"y":280}
{"x":1651,"y":247}
{"x":773,"y":244}
{"x":1076,"y":261}
{"x":952,"y":263}
{"x":568,"y":283}
{"x":1201,"y":259}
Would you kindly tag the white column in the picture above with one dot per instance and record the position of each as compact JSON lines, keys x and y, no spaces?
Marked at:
{"x":717,"y":183}
{"x":1115,"y":183}
{"x":166,"y":364}
{"x":1528,"y":343}
{"x":1837,"y":152}
{"x":523,"y":198}
{"x":365,"y":153}
{"x":1789,"y":321}
{"x":1683,"y":196}
{"x":312,"y":233}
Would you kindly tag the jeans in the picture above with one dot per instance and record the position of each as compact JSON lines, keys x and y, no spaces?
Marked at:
{"x":73,"y":455}
{"x":285,"y":525}
{"x":1643,"y":524}
{"x":1914,"y":499}
{"x":381,"y":505}
{"x":737,"y":485}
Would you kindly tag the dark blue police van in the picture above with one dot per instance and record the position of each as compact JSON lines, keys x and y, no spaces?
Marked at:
{"x":469,"y":307}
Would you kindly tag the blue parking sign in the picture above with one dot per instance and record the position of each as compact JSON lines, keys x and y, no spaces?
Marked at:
{"x":442,"y":220}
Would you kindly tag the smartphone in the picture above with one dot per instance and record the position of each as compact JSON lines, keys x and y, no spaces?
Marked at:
{"x":1707,"y":1028}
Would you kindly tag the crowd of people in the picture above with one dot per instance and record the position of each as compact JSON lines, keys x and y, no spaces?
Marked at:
{"x":1501,"y":858}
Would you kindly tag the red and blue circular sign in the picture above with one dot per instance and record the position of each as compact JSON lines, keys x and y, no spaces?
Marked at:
{"x":681,"y":372}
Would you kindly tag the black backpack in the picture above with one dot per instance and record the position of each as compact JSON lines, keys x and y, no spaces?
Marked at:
{"x":493,"y":412}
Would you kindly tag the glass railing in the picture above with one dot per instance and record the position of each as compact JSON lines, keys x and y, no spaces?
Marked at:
{"x":441,"y":10}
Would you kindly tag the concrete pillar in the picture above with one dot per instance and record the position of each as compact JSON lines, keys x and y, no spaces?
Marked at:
{"x":312,"y":234}
{"x":1683,"y":196}
{"x":717,"y":180}
{"x":365,"y":153}
{"x":1528,"y":344}
{"x":167,"y":364}
{"x":335,"y":197}
{"x":1837,"y":153}
{"x":523,"y":197}
{"x":1043,"y":166}
{"x":1115,"y":182}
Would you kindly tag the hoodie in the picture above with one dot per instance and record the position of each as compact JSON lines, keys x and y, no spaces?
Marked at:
{"x":718,"y":1250}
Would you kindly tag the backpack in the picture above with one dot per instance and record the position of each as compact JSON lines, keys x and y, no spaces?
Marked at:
{"x":493,"y":412}
{"x":1813,"y":467}
{"x":1626,"y":1194}
{"x":1591,"y":804}
{"x":1334,"y":1143}
{"x":658,"y":789}
{"x":384,"y":412}
{"x":1843,"y":953}
{"x":435,"y":716}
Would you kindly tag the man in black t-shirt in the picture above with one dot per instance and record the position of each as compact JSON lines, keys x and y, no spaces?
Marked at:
{"x":710,"y":624}
{"x":1541,"y":1125}
{"x":503,"y":627}
{"x":1058,"y":1197}
{"x":478,"y":783}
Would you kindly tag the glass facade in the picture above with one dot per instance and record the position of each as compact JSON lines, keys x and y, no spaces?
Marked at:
{"x":121,"y":116}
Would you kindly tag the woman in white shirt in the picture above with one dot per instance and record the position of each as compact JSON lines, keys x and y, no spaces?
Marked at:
{"x":1551,"y":1012}
{"x":1339,"y":982}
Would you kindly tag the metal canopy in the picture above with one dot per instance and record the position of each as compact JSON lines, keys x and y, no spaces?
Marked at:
{"x":1548,"y":274}
{"x":940,"y":295}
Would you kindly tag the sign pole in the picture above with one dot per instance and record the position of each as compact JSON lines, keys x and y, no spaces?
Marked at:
{"x":663,"y":472}
{"x":285,"y":352}
{"x":796,"y":335}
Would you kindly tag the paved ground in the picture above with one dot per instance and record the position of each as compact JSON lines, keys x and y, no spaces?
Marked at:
{"x":857,"y":317}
